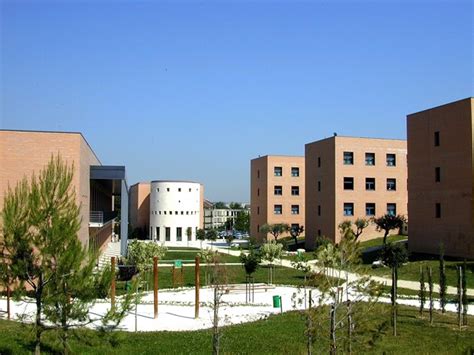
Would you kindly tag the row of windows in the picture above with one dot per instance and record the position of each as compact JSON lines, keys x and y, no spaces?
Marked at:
{"x":293,"y":226}
{"x":179,"y":189}
{"x":370,"y":209}
{"x":278,"y":171}
{"x":179,"y":233}
{"x":175,"y":212}
{"x":278,"y":209}
{"x":348,"y":159}
{"x":391,"y":184}
{"x":278,"y":190}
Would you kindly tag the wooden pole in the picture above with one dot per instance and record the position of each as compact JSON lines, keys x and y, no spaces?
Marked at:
{"x":112,"y":288}
{"x":196,"y":283}
{"x":155,"y":286}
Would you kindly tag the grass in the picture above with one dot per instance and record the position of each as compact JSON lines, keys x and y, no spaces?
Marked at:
{"x":235,"y":274}
{"x":278,"y":334}
{"x":379,"y":241}
{"x":188,"y":255}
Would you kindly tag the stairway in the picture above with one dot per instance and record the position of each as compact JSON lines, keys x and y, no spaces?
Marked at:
{"x":113,"y":249}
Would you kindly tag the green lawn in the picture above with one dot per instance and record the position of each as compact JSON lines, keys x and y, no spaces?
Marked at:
{"x":379,"y":241}
{"x":235,"y":274}
{"x":188,"y":255}
{"x":278,"y":334}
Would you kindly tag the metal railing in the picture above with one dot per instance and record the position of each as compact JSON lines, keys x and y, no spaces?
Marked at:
{"x":96,"y":217}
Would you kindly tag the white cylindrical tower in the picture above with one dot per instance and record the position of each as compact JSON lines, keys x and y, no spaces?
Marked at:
{"x":175,"y":211}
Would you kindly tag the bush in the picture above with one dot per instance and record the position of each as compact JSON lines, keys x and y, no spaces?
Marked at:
{"x":140,"y":254}
{"x":250,"y":261}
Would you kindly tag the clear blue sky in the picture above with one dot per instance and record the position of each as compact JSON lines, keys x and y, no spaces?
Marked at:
{"x":194,"y":90}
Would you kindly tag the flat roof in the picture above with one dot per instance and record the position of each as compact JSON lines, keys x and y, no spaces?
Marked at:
{"x":357,"y":137}
{"x":53,"y":132}
{"x":188,"y":181}
{"x":278,"y":156}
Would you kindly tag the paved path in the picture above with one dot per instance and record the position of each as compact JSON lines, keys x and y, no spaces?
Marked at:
{"x":412,"y":285}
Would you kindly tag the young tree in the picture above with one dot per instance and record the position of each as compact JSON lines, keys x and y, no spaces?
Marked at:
{"x":430,"y":290}
{"x":211,"y":235}
{"x":442,"y":280}
{"x":275,"y":229}
{"x":459,"y":295}
{"x":271,"y":251}
{"x":235,"y":206}
{"x":242,"y":221}
{"x":465,"y":301}
{"x":295,"y":232}
{"x":201,"y":235}
{"x":394,"y":255}
{"x":345,"y":228}
{"x":387,"y":223}
{"x":422,"y":292}
{"x":360,"y":224}
{"x":220,"y":205}
{"x":141,"y":254}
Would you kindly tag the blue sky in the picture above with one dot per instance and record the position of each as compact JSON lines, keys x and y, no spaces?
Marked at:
{"x":194,"y":90}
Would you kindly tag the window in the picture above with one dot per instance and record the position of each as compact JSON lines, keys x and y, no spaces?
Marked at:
{"x":179,"y":234}
{"x":319,"y":162}
{"x":391,"y":160}
{"x":295,"y":172}
{"x":319,"y":210}
{"x":319,"y":232}
{"x":258,"y":228}
{"x":258,"y":174}
{"x":348,"y":209}
{"x":369,"y":158}
{"x":182,"y":212}
{"x":391,"y":184}
{"x":348,"y":183}
{"x":258,"y":209}
{"x":151,"y":232}
{"x":159,"y":212}
{"x":168,"y":189}
{"x":391,"y":209}
{"x":295,"y":190}
{"x":348,"y":158}
{"x":175,"y":212}
{"x":189,"y":189}
{"x":319,"y":185}
{"x":258,"y":192}
{"x":190,"y":234}
{"x":158,"y":190}
{"x":438,"y":174}
{"x":438,"y":210}
{"x":277,"y":209}
{"x":295,"y":209}
{"x":179,"y":189}
{"x":167,"y":234}
{"x":370,"y":209}
{"x":370,"y":184}
{"x":436,"y":139}
{"x":171,"y":212}
{"x":278,"y":190}
{"x":278,"y":171}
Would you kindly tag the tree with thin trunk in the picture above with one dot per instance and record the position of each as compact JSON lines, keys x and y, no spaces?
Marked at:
{"x":459,"y":295}
{"x":201,"y":235}
{"x":218,"y":282}
{"x":387,"y":223}
{"x":422,"y":292}
{"x":394,"y":255}
{"x":295,"y":232}
{"x":465,"y":301}
{"x":430,"y":293}
{"x":276,"y":230}
{"x":442,"y":280}
{"x":270,"y":252}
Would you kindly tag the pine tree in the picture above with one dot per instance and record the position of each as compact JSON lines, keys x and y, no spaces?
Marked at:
{"x":422,"y":292}
{"x":442,"y":280}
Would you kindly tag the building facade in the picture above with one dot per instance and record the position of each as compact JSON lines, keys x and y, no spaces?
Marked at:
{"x":441,"y":179}
{"x":23,"y":153}
{"x":277,"y":192}
{"x":349,"y":178}
{"x":140,"y":206}
{"x":175,"y":206}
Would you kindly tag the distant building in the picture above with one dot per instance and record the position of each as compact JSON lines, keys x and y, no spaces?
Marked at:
{"x":218,"y":217}
{"x":277,"y":193}
{"x":441,"y":179}
{"x":348,"y":178}
{"x":97,"y":186}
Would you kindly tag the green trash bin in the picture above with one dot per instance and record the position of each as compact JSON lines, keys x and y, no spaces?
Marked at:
{"x":276,"y":301}
{"x":128,"y":286}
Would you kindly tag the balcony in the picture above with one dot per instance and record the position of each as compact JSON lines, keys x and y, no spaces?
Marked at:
{"x":98,"y":219}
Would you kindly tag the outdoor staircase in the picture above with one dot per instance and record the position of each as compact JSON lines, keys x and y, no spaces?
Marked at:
{"x":113,"y":249}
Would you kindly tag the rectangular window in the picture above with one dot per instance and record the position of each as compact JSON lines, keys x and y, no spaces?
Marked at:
{"x":258,"y":209}
{"x":158,"y":233}
{"x":438,"y":174}
{"x":392,"y":209}
{"x":391,"y":184}
{"x":319,"y":232}
{"x":258,"y":174}
{"x":319,"y":210}
{"x":369,"y":158}
{"x":348,"y":183}
{"x":348,"y":209}
{"x":277,"y":209}
{"x":348,"y":158}
{"x":167,"y":234}
{"x":190,"y":236}
{"x":295,"y":172}
{"x":436,"y":139}
{"x":179,"y":189}
{"x":258,"y":192}
{"x":278,"y":171}
{"x":370,"y":184}
{"x":438,"y":210}
{"x":278,"y":190}
{"x":319,"y":162}
{"x":370,"y":209}
{"x":319,"y":185}
{"x":295,"y":209}
{"x":391,"y":160}
{"x":295,"y":190}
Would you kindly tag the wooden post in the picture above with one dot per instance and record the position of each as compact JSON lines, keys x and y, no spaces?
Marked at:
{"x":8,"y":301}
{"x":112,"y":287}
{"x":196,"y":283}
{"x":155,"y":286}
